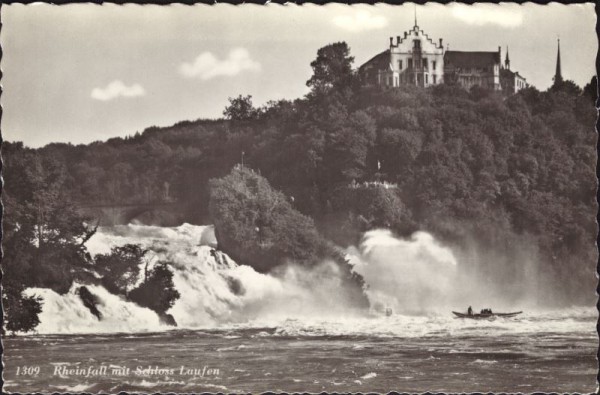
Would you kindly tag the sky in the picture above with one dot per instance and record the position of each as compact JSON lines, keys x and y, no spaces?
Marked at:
{"x":83,"y":72}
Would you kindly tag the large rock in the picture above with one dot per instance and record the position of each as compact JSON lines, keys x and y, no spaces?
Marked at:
{"x":257,"y":226}
{"x":167,"y":319}
{"x":90,"y":301}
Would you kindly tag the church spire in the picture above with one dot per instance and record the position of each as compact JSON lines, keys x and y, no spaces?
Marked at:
{"x":558,"y":76}
{"x":507,"y":60}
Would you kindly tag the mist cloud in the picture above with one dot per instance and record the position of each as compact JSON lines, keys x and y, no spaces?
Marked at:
{"x":207,"y":66}
{"x":117,"y":89}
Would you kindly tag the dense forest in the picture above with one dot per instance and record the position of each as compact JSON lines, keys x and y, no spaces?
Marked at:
{"x":471,"y":167}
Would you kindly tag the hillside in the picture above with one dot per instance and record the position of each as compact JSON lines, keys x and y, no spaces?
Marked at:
{"x":477,"y":169}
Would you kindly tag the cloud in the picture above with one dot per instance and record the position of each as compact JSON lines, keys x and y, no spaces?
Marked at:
{"x":484,"y":14}
{"x":117,"y":89}
{"x":207,"y":66}
{"x":361,"y":20}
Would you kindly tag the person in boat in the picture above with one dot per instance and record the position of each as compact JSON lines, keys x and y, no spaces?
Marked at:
{"x":469,"y":311}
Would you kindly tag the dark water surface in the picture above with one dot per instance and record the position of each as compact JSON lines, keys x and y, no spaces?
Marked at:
{"x":261,"y":359}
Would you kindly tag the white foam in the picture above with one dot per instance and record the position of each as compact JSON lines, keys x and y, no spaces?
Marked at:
{"x":67,"y":314}
{"x":413,"y":277}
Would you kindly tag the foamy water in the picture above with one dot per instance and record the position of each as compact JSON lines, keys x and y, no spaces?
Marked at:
{"x":414,"y":278}
{"x":299,"y":333}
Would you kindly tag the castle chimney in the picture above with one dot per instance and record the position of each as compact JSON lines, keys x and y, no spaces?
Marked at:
{"x":441,"y":45}
{"x":391,"y":41}
{"x":397,"y":40}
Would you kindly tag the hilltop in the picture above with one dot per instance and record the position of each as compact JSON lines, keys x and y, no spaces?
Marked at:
{"x":475,"y":168}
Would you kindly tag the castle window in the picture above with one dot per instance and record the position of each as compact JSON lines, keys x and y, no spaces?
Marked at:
{"x":425,"y":63}
{"x":410,"y":63}
{"x":426,"y":79}
{"x":433,"y":65}
{"x":400,"y":64}
{"x":434,"y":78}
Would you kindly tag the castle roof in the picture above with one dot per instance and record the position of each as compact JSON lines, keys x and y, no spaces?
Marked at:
{"x":380,"y":61}
{"x":463,"y":59}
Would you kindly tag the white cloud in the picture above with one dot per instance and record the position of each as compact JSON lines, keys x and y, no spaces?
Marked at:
{"x":484,"y":14}
{"x":207,"y":66}
{"x":117,"y":89}
{"x":362,"y":20}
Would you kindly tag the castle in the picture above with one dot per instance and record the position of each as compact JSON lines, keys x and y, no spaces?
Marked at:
{"x":415,"y":59}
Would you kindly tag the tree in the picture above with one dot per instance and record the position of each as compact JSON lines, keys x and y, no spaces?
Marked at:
{"x":347,"y":145}
{"x":590,"y":90}
{"x":398,"y":148}
{"x":257,"y":225}
{"x":367,"y":207}
{"x":332,"y":69}
{"x":157,"y":291}
{"x":241,"y":109}
{"x":120,"y":268}
{"x":20,"y":311}
{"x":569,"y":87}
{"x":44,"y":235}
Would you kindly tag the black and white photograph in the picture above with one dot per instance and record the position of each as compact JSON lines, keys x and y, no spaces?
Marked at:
{"x":299,"y":198}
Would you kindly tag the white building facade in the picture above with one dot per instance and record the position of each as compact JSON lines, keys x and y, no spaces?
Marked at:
{"x":414,"y":59}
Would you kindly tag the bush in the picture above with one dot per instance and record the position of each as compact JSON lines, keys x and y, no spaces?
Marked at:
{"x":120,"y":268}
{"x":157,"y":292}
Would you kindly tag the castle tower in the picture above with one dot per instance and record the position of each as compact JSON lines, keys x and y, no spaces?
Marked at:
{"x":558,"y":75}
{"x":507,"y":60}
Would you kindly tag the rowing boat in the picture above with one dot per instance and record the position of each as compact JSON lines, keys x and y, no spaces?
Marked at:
{"x":486,"y":315}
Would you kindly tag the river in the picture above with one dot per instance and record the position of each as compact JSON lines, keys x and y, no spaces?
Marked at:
{"x":292,"y":331}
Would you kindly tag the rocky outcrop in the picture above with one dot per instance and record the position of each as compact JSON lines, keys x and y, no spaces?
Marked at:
{"x":257,"y":225}
{"x":90,"y":301}
{"x":167,"y":319}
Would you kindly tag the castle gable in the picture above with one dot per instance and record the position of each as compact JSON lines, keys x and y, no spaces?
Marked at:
{"x":405,"y":44}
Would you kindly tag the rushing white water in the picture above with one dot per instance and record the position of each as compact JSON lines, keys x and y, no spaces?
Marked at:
{"x":67,"y":314}
{"x":214,"y":289}
{"x":409,"y":276}
{"x":416,"y":278}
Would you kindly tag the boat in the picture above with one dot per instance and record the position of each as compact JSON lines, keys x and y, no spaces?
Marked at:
{"x":486,"y":315}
